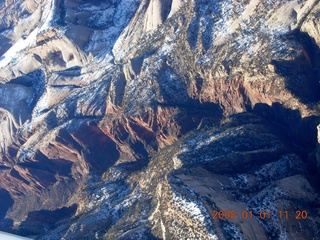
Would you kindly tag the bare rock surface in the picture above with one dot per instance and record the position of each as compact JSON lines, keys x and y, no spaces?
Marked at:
{"x":138,"y":119}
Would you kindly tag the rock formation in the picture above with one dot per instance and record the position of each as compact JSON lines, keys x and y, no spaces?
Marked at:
{"x":138,"y":119}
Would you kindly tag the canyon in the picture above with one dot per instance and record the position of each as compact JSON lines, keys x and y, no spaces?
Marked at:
{"x":137,"y":119}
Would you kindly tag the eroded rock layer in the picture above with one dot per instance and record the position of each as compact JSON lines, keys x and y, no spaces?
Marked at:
{"x":138,"y":119}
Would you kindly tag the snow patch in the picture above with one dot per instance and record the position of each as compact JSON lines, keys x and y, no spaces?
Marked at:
{"x":16,"y":51}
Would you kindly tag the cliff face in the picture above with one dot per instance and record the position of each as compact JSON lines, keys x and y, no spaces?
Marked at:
{"x":137,"y":119}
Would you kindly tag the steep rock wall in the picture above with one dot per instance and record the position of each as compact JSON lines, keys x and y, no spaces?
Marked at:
{"x":125,"y":82}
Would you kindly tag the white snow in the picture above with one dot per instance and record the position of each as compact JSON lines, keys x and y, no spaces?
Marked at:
{"x":189,"y":207}
{"x":167,"y":46}
{"x":41,"y":105}
{"x":47,"y":15}
{"x":195,"y":210}
{"x":14,"y":53}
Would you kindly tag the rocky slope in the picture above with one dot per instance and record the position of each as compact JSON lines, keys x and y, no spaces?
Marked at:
{"x":137,"y":119}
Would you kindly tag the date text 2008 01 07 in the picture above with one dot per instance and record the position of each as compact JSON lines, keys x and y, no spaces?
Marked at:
{"x":263,"y":214}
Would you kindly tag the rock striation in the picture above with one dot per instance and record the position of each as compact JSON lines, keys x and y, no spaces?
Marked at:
{"x":138,"y":119}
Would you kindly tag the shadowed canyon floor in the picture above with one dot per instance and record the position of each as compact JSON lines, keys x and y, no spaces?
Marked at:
{"x":139,"y":119}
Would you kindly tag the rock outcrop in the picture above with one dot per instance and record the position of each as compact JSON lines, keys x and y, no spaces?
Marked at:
{"x":137,"y":119}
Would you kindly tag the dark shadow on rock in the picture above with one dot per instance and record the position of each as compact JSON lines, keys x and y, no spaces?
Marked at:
{"x":242,"y":144}
{"x":71,"y":72}
{"x":301,"y":131}
{"x":45,"y":169}
{"x":61,"y":12}
{"x":249,"y":140}
{"x":198,"y":32}
{"x":175,"y":95}
{"x":141,"y":154}
{"x":22,"y":94}
{"x":4,"y":45}
{"x":6,"y":202}
{"x":166,"y":7}
{"x":192,"y":112}
{"x":6,"y":225}
{"x":119,"y":89}
{"x":38,"y":222}
{"x":99,"y":150}
{"x":303,"y":73}
{"x":34,"y":80}
{"x":192,"y":33}
{"x":134,"y":166}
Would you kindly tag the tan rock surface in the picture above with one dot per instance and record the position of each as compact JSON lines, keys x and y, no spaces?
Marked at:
{"x":130,"y":119}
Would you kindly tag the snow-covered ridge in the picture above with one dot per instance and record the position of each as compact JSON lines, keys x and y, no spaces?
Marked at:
{"x":21,"y":46}
{"x":133,"y":94}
